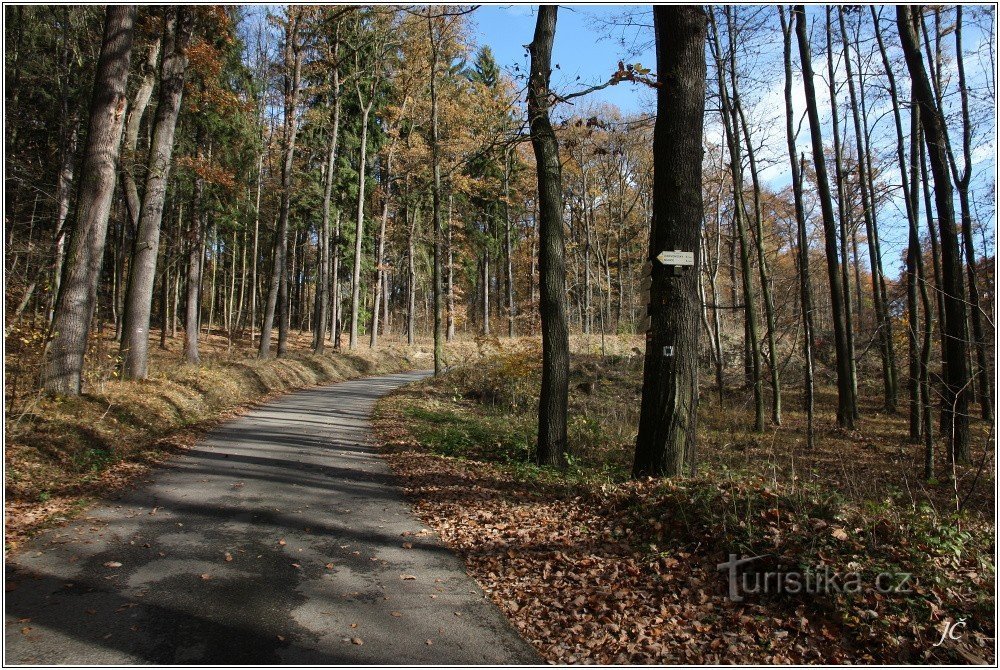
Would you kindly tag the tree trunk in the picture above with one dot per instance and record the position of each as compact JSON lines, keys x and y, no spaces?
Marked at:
{"x":177,"y":28}
{"x":439,"y":335}
{"x":323,"y":292}
{"x":962,"y":182}
{"x":278,"y":290}
{"x":843,"y":215}
{"x":847,"y":402}
{"x":63,"y":364}
{"x":359,"y":226}
{"x":507,"y":245}
{"x":192,"y":312}
{"x":730,"y":124}
{"x":554,"y":396}
{"x":883,"y":324}
{"x":805,"y":290}
{"x":134,"y":119}
{"x":668,"y":416}
{"x":765,"y":284}
{"x":955,"y":400}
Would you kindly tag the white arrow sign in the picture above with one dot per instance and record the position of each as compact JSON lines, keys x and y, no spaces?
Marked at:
{"x":676,"y":257}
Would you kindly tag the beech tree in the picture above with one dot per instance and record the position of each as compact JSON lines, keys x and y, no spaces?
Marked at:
{"x":178,"y":23}
{"x":75,"y":305}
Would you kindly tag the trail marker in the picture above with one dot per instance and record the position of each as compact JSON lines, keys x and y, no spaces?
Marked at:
{"x":676,"y":257}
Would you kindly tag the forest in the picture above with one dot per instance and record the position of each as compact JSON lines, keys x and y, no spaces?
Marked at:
{"x":752,"y":310}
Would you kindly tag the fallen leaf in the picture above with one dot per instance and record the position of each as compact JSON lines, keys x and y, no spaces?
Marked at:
{"x":357,"y":641}
{"x":229,"y":557}
{"x":112,"y":564}
{"x":396,"y":614}
{"x":407,"y":577}
{"x":329,"y":566}
{"x":282,"y":542}
{"x":839,"y":533}
{"x":407,"y":545}
{"x":206,"y":576}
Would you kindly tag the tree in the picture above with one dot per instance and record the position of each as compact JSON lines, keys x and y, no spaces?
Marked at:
{"x":668,"y":416}
{"x":63,"y":368}
{"x":178,"y":23}
{"x":554,"y":395}
{"x":955,"y":339}
{"x":846,"y":400}
{"x":277,"y":297}
{"x":802,"y":238}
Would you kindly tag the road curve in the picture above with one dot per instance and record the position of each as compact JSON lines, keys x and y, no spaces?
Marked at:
{"x":278,"y":539}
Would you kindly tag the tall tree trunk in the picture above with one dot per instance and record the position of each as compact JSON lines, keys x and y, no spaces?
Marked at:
{"x":336,"y":310}
{"x":178,"y":24}
{"x":323,"y":293}
{"x":63,"y":363}
{"x":668,"y":416}
{"x":846,"y":399}
{"x":192,"y":312}
{"x":883,"y":324}
{"x":507,"y":245}
{"x":730,"y":124}
{"x":554,"y":395}
{"x":765,"y":282}
{"x":450,"y":279}
{"x":955,"y":400}
{"x":439,"y":335}
{"x":963,"y":181}
{"x":134,"y":119}
{"x":277,"y":298}
{"x":802,"y":237}
{"x":359,"y":226}
{"x":411,"y":280}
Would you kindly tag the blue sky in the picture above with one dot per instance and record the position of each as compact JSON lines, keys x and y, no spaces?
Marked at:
{"x":587,"y":50}
{"x":583,"y":47}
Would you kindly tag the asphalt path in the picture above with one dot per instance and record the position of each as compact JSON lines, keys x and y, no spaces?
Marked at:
{"x":281,"y":538}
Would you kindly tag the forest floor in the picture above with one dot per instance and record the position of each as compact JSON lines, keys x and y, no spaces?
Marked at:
{"x":594,"y":568}
{"x":63,"y":453}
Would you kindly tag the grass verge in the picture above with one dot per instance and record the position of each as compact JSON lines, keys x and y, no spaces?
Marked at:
{"x":62,"y":453}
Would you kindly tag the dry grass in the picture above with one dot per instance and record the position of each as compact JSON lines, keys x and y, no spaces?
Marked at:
{"x":62,"y":452}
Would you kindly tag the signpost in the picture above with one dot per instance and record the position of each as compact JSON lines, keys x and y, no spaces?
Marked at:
{"x":676,"y":259}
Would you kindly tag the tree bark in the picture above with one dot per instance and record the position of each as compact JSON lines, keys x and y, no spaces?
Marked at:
{"x":63,"y":364}
{"x":554,"y":396}
{"x":668,"y":416}
{"x":178,"y":25}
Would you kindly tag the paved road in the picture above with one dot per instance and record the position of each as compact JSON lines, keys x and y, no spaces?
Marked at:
{"x":278,"y":539}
